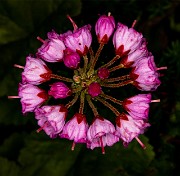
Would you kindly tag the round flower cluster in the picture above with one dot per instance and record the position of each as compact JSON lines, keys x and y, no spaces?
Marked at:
{"x":74,"y":50}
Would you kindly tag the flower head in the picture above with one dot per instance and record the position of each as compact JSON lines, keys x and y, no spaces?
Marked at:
{"x":89,"y":84}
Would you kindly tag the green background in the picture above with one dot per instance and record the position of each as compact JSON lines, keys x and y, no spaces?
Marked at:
{"x":23,"y":152}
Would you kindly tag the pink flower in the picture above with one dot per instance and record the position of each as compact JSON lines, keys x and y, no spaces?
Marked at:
{"x":104,"y":28}
{"x":51,"y":119}
{"x":103,"y":73}
{"x":31,"y":97}
{"x":80,"y":40}
{"x":71,"y":59}
{"x":127,"y":128}
{"x":131,"y":59}
{"x":101,"y":133}
{"x":35,"y":71}
{"x":94,"y":89}
{"x":138,"y":106}
{"x":59,"y":90}
{"x":76,"y":129}
{"x":52,"y":48}
{"x":126,"y":40}
{"x":145,"y":75}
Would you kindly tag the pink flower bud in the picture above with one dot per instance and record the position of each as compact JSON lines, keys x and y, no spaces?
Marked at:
{"x":71,"y":59}
{"x":31,"y":97}
{"x":94,"y":89}
{"x":51,"y":119}
{"x":35,"y":71}
{"x":52,"y":48}
{"x":59,"y":90}
{"x":80,"y":40}
{"x":76,"y":129}
{"x":103,"y":73}
{"x":104,"y":28}
{"x":126,"y":40}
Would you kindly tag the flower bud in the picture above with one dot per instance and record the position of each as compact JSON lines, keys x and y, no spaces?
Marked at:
{"x":71,"y":59}
{"x":59,"y":90}
{"x":104,"y":28}
{"x":94,"y":89}
{"x":103,"y":73}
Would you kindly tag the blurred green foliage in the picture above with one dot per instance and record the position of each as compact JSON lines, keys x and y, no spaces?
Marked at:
{"x":23,"y":152}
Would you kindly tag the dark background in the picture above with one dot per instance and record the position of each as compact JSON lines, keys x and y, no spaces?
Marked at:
{"x":24,"y":152}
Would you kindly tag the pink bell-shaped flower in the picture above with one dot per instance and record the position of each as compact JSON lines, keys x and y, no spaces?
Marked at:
{"x":126,"y":40}
{"x":71,"y":59}
{"x":51,"y":119}
{"x":35,"y":71}
{"x":138,"y":106}
{"x":94,"y":89}
{"x":80,"y":40}
{"x":59,"y":90}
{"x":145,"y":75}
{"x":127,"y":128}
{"x":101,"y":133}
{"x":52,"y":48}
{"x":31,"y":97}
{"x":104,"y":28}
{"x":76,"y":129}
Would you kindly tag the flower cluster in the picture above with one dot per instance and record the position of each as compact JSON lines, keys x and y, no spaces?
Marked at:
{"x":74,"y":50}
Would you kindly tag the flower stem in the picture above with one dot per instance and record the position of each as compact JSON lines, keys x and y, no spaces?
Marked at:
{"x":95,"y":112}
{"x":81,"y":108}
{"x":118,"y":84}
{"x":117,"y":67}
{"x":61,"y":78}
{"x":105,"y":103}
{"x":120,"y":78}
{"x":93,"y":62}
{"x":111,"y":98}
{"x":71,"y":103}
{"x":111,"y":61}
{"x":85,"y":63}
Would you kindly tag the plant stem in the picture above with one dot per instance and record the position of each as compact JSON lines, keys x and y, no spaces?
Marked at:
{"x":71,"y":103}
{"x":118,"y":84}
{"x":117,"y":67}
{"x":120,"y":78}
{"x":111,"y":61}
{"x":111,"y":98}
{"x":105,"y":103}
{"x":95,"y":112}
{"x":61,"y":78}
